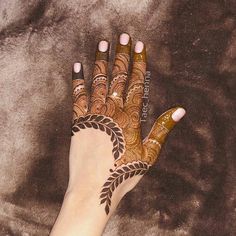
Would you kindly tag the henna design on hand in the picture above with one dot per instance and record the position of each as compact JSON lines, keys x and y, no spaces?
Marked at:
{"x":119,"y":118}
{"x":117,"y":177}
{"x":104,"y":124}
{"x":79,"y":94}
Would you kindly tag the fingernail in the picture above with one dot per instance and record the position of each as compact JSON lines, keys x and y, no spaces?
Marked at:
{"x":103,"y":46}
{"x":77,"y":71}
{"x":124,"y":39}
{"x":139,"y":47}
{"x":140,"y":52}
{"x":178,"y":114}
{"x":77,"y":67}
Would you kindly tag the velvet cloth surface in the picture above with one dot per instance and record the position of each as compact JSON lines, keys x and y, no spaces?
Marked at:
{"x":191,"y":48}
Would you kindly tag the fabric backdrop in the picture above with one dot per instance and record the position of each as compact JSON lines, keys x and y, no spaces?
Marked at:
{"x":191,"y":47}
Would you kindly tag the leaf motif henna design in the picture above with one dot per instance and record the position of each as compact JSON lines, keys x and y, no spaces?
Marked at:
{"x":105,"y":124}
{"x":117,"y":177}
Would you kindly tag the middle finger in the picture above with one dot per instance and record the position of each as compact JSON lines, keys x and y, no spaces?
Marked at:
{"x":121,"y":66}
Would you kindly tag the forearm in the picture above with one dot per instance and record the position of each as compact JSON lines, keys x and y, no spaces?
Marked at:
{"x":82,"y":213}
{"x":80,"y":216}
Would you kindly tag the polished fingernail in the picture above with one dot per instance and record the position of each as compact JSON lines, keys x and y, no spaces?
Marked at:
{"x":103,"y":46}
{"x":178,"y":114}
{"x":102,"y":52}
{"x":77,"y":67}
{"x":77,"y":71}
{"x":140,"y":52}
{"x":124,"y":39}
{"x":139,"y":47}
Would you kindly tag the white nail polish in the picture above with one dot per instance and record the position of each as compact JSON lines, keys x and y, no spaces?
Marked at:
{"x":139,"y":47}
{"x":124,"y":39}
{"x":103,"y":46}
{"x":178,"y":114}
{"x":77,"y":67}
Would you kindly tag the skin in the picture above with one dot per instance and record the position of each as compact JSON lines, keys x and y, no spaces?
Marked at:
{"x":107,"y":155}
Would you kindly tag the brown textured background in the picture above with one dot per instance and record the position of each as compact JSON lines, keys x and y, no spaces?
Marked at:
{"x":192,"y":58}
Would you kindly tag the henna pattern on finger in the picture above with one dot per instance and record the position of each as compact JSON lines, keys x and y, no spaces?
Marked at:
{"x":118,"y":84}
{"x":99,"y":85}
{"x":121,"y":63}
{"x":98,"y":93}
{"x":79,"y":98}
{"x":119,"y":74}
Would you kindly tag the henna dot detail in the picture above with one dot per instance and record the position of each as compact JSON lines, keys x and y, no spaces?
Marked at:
{"x":114,"y":94}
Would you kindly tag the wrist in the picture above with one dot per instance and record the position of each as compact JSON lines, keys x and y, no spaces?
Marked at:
{"x":81,"y":215}
{"x":90,"y":204}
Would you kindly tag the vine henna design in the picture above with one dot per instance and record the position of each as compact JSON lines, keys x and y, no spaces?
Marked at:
{"x":117,"y":177}
{"x":120,"y":173}
{"x":104,"y":124}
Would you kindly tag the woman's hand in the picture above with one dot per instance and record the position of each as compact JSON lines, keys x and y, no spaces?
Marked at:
{"x":107,"y":155}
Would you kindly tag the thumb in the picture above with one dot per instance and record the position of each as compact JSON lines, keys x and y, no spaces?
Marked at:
{"x":163,"y":125}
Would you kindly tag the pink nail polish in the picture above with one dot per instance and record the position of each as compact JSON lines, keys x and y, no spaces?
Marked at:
{"x":124,"y":39}
{"x":103,"y":46}
{"x":178,"y":114}
{"x":77,"y":67}
{"x":139,"y":47}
